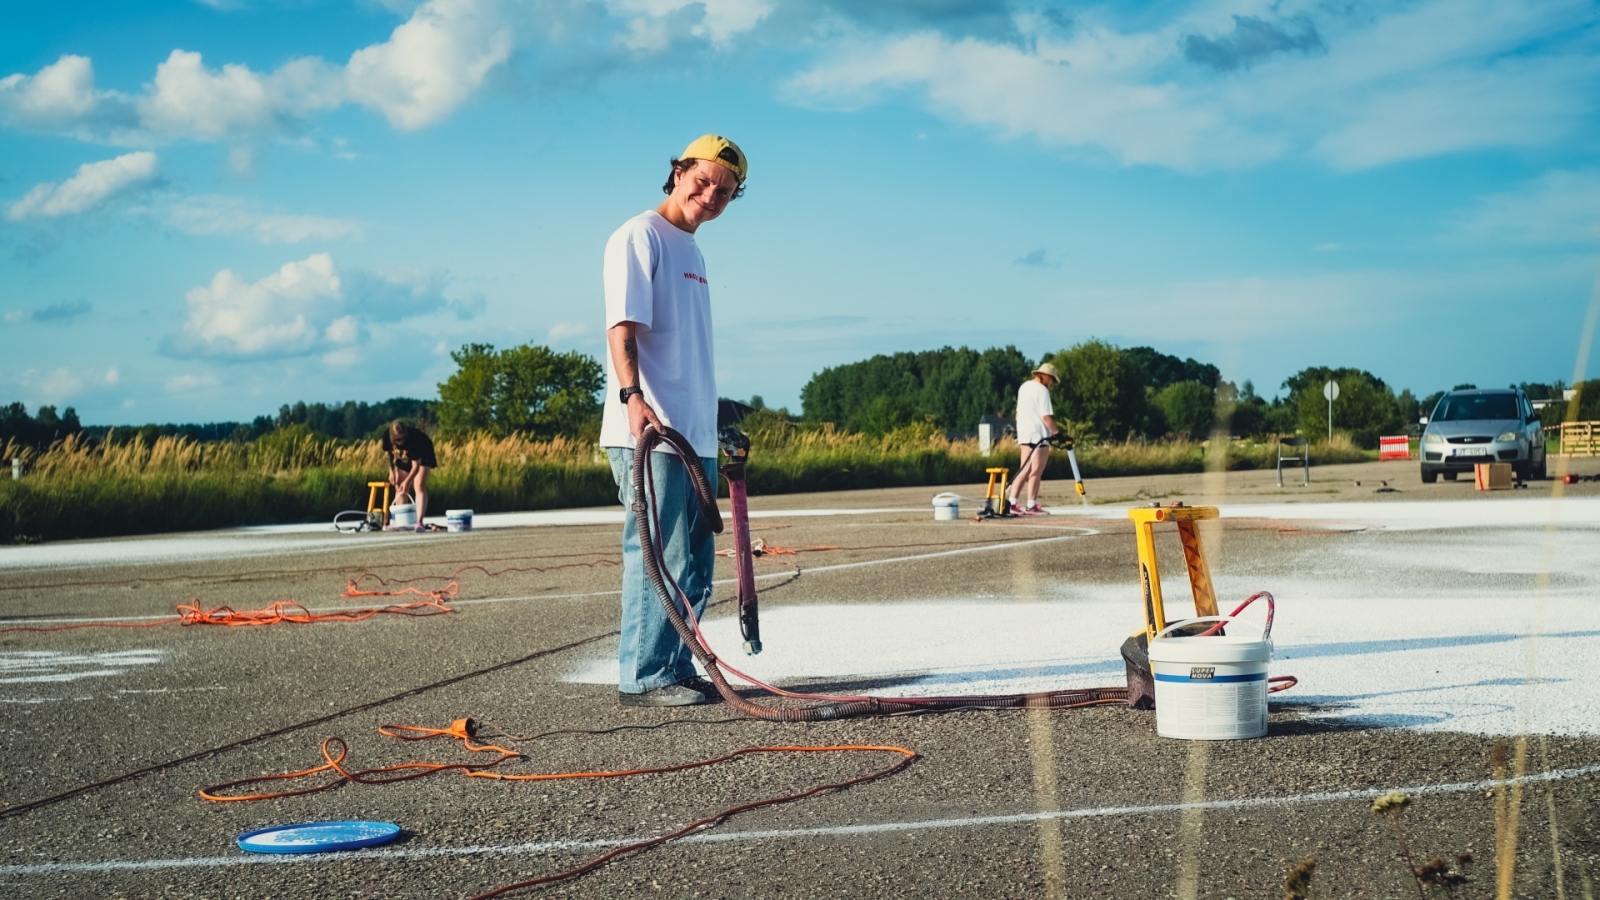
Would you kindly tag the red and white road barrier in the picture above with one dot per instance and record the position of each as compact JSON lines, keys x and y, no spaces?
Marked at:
{"x":1398,"y":447}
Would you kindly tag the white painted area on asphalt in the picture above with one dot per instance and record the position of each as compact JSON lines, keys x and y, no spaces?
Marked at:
{"x":1388,"y":660}
{"x":275,"y":540}
{"x":558,"y":517}
{"x":54,"y":667}
{"x":232,"y":544}
{"x":1398,"y":515}
{"x":1489,"y":631}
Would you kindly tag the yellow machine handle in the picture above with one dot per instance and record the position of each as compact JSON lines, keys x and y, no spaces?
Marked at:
{"x":1185,"y":517}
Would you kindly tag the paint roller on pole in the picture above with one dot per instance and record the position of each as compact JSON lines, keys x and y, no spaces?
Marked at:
{"x":1064,"y":441}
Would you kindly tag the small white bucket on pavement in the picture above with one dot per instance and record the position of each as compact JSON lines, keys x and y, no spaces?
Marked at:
{"x":403,"y":515}
{"x":1210,"y":688}
{"x":458,"y":520}
{"x":946,"y":507}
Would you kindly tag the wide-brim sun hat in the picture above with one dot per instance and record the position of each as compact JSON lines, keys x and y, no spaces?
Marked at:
{"x":1047,"y":369}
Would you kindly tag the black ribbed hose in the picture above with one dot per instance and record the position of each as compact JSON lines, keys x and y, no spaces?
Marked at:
{"x":707,"y":497}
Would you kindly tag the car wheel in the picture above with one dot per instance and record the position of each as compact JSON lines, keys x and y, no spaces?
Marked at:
{"x":1523,"y":470}
{"x":1541,"y":470}
{"x":1449,"y":476}
{"x":1429,"y":476}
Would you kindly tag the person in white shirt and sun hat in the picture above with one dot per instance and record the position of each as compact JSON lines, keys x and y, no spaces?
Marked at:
{"x":1035,"y":426}
{"x":660,"y":372}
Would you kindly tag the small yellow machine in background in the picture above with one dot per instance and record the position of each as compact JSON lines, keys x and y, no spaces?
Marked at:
{"x":994,"y":500}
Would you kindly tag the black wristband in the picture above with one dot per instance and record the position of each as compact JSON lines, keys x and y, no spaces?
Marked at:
{"x":627,"y":392}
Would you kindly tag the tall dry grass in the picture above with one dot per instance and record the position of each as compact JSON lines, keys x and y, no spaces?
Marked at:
{"x":75,"y":489}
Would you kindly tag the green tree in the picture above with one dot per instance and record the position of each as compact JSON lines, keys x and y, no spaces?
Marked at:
{"x":1366,"y":407}
{"x":529,"y":389}
{"x":1101,"y":388}
{"x":466,"y":399}
{"x":1188,"y":407}
{"x":542,"y":393}
{"x":1163,"y":369}
{"x":956,"y":386}
{"x":1245,"y":413}
{"x":1587,"y":400}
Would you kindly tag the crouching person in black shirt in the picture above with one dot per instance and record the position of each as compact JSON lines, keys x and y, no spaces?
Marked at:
{"x":411,"y":458}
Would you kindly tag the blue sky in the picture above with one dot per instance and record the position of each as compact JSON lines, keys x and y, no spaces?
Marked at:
{"x":209,"y":208}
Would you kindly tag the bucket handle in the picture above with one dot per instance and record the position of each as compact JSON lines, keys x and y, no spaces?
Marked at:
{"x":1195,"y":621}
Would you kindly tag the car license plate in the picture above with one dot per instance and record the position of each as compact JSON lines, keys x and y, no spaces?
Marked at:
{"x":1472,"y":451}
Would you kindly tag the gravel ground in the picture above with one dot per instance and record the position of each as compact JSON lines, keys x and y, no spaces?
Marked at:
{"x":1007,"y":804}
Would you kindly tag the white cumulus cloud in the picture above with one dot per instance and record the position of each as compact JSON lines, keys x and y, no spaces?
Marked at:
{"x":188,"y":100}
{"x":94,"y":184}
{"x":213,"y":214}
{"x":1397,"y":82}
{"x":719,"y":20}
{"x":429,"y":66}
{"x":276,"y":316}
{"x":308,"y":306}
{"x":61,"y":97}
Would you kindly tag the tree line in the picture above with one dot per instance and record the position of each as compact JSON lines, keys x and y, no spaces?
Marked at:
{"x":1114,"y":393}
{"x":1105,"y":392}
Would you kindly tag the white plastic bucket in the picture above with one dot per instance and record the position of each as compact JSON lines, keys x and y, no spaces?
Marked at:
{"x":946,"y":507}
{"x":403,"y":515}
{"x":458,"y":520}
{"x":1210,"y":688}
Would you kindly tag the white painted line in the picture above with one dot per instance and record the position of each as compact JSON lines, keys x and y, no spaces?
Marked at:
{"x":544,"y":847}
{"x":569,"y":517}
{"x":1403,"y":515}
{"x":1086,"y":532}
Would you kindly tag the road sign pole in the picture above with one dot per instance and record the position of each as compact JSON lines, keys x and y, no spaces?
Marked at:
{"x":1331,"y":391}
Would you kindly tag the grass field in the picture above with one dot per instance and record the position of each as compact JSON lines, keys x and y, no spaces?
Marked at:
{"x":75,"y":490}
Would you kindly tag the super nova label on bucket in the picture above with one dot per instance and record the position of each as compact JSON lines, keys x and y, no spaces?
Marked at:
{"x":1202,"y":673}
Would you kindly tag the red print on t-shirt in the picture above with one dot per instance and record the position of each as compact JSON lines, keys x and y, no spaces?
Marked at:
{"x":693,"y":277}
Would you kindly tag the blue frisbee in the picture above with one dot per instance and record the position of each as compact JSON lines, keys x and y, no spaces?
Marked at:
{"x":318,"y":837}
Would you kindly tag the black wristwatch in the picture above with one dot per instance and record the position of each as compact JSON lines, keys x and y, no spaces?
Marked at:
{"x":627,"y":392}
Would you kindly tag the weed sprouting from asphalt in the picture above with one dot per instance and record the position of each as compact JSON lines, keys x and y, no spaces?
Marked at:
{"x":1297,"y":884}
{"x":1434,"y":877}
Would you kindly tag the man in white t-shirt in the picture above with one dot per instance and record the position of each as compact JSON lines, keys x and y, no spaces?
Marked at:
{"x":660,"y":371}
{"x":1035,"y":425}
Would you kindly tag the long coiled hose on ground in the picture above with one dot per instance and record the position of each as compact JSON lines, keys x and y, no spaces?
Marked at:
{"x":867,"y":706}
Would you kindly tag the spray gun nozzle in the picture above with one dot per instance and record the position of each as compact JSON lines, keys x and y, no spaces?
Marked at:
{"x":734,"y":442}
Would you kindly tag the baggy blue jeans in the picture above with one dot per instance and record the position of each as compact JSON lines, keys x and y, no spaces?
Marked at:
{"x":650,"y":654}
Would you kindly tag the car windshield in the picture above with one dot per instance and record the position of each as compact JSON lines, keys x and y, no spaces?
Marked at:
{"x":1457,"y":407}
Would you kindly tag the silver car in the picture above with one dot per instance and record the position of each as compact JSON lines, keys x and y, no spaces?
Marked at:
{"x":1471,"y":427}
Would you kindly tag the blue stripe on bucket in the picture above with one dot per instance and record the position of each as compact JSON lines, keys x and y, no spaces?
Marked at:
{"x":1215,"y":679}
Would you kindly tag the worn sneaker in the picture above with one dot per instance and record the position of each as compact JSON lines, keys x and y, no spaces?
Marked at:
{"x":1032,"y":511}
{"x":670,"y":695}
{"x":704,"y":686}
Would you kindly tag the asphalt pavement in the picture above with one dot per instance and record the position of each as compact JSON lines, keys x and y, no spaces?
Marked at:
{"x":1026,"y":803}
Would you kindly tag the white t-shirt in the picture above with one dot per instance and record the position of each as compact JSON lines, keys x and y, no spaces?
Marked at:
{"x":655,"y":276}
{"x":1033,"y":404}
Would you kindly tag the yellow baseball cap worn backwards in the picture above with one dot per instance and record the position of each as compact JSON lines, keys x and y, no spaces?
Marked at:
{"x":720,"y":150}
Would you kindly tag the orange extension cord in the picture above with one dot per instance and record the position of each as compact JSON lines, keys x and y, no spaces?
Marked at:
{"x":759,"y":548}
{"x":335,"y":751}
{"x":284,"y":611}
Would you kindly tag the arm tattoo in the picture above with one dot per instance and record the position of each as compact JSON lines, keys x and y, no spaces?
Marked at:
{"x":630,"y":348}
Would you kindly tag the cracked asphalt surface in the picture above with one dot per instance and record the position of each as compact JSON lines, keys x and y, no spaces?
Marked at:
{"x":1021,"y":803}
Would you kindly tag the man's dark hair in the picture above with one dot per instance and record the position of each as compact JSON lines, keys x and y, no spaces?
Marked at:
{"x":680,"y":166}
